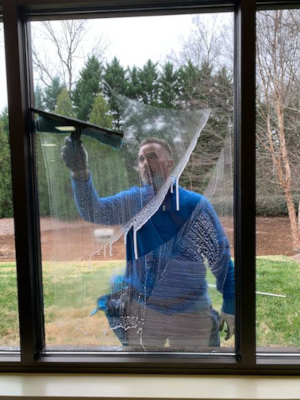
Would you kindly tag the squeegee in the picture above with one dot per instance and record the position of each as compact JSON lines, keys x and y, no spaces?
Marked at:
{"x":54,"y":123}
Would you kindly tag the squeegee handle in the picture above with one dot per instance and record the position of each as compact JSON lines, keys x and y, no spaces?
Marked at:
{"x":76,"y":135}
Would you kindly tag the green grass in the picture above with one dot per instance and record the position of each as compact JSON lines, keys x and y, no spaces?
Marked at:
{"x":77,"y":284}
{"x":278,"y":319}
{"x":8,"y":305}
{"x":71,"y":291}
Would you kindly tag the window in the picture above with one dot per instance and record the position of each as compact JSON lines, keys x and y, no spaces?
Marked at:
{"x":158,"y":93}
{"x":9,"y":332}
{"x":277,"y":180}
{"x":62,"y":261}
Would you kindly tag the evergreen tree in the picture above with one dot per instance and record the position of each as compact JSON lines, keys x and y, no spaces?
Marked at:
{"x":87,"y":88}
{"x":51,"y":94}
{"x":206,"y":94}
{"x":169,"y":86}
{"x":107,"y":164}
{"x":134,"y":89}
{"x":100,"y":113}
{"x":197,"y":86}
{"x":4,"y":119}
{"x":38,"y":97}
{"x":201,"y":89}
{"x":43,"y":188}
{"x":148,"y":77}
{"x":116,"y":77}
{"x":64,"y":104}
{"x":224,"y":89}
{"x":6,"y":207}
{"x":189,"y":76}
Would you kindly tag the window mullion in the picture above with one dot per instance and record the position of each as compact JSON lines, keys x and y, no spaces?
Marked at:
{"x":245,"y":180}
{"x":23,"y":184}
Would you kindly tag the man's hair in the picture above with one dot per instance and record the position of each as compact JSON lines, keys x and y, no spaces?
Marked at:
{"x":165,"y":145}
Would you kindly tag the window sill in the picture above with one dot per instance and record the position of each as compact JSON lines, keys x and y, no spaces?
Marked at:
{"x":57,"y":386}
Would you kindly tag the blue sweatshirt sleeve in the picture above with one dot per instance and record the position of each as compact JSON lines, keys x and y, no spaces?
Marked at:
{"x":113,"y":210}
{"x":217,"y":252}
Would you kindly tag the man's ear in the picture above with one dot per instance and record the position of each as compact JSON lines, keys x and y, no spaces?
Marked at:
{"x":170,"y":163}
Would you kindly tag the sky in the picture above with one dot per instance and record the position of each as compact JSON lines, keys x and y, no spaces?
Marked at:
{"x":133,"y":40}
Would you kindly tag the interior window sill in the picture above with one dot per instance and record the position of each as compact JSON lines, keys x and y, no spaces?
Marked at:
{"x":57,"y":386}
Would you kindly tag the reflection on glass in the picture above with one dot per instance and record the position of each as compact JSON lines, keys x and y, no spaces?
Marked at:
{"x":133,"y":259}
{"x":9,"y":327}
{"x":278,"y":228}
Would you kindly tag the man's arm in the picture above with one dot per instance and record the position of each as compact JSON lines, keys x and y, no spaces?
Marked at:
{"x":113,"y":210}
{"x":214,"y":247}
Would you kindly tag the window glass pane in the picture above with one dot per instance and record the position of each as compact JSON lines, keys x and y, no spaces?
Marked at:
{"x":132,"y":260}
{"x":9,"y":324}
{"x":277,"y":168}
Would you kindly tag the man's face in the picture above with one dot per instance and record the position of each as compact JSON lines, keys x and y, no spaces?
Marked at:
{"x":154,"y":164}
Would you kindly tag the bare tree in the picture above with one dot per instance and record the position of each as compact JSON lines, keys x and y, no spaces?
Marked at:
{"x":66,"y":41}
{"x":204,"y":44}
{"x":99,"y":48}
{"x":206,"y":82}
{"x":278,"y":62}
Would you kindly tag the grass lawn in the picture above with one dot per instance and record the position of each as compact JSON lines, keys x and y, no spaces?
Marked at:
{"x":278,"y":319}
{"x":71,"y":291}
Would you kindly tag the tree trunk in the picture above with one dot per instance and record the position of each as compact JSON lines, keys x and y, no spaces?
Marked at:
{"x":287,"y":175}
{"x":299,"y":216}
{"x":292,"y":218}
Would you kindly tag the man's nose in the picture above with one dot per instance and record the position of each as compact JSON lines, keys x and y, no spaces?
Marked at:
{"x":147,"y":161}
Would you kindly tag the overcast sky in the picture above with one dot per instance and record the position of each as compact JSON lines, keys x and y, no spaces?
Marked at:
{"x":132,"y":40}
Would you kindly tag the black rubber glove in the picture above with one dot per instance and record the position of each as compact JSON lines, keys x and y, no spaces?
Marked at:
{"x":229,"y":320}
{"x":74,"y":155}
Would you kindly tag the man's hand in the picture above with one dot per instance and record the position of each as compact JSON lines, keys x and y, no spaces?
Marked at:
{"x":229,"y":320}
{"x":75,"y":156}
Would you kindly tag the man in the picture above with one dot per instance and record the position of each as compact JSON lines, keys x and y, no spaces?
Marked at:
{"x":162,"y":300}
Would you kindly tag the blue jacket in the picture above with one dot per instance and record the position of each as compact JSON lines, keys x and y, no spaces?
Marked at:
{"x":174,"y":248}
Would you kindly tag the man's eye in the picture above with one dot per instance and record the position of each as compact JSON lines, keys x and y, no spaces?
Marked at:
{"x":152,"y":156}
